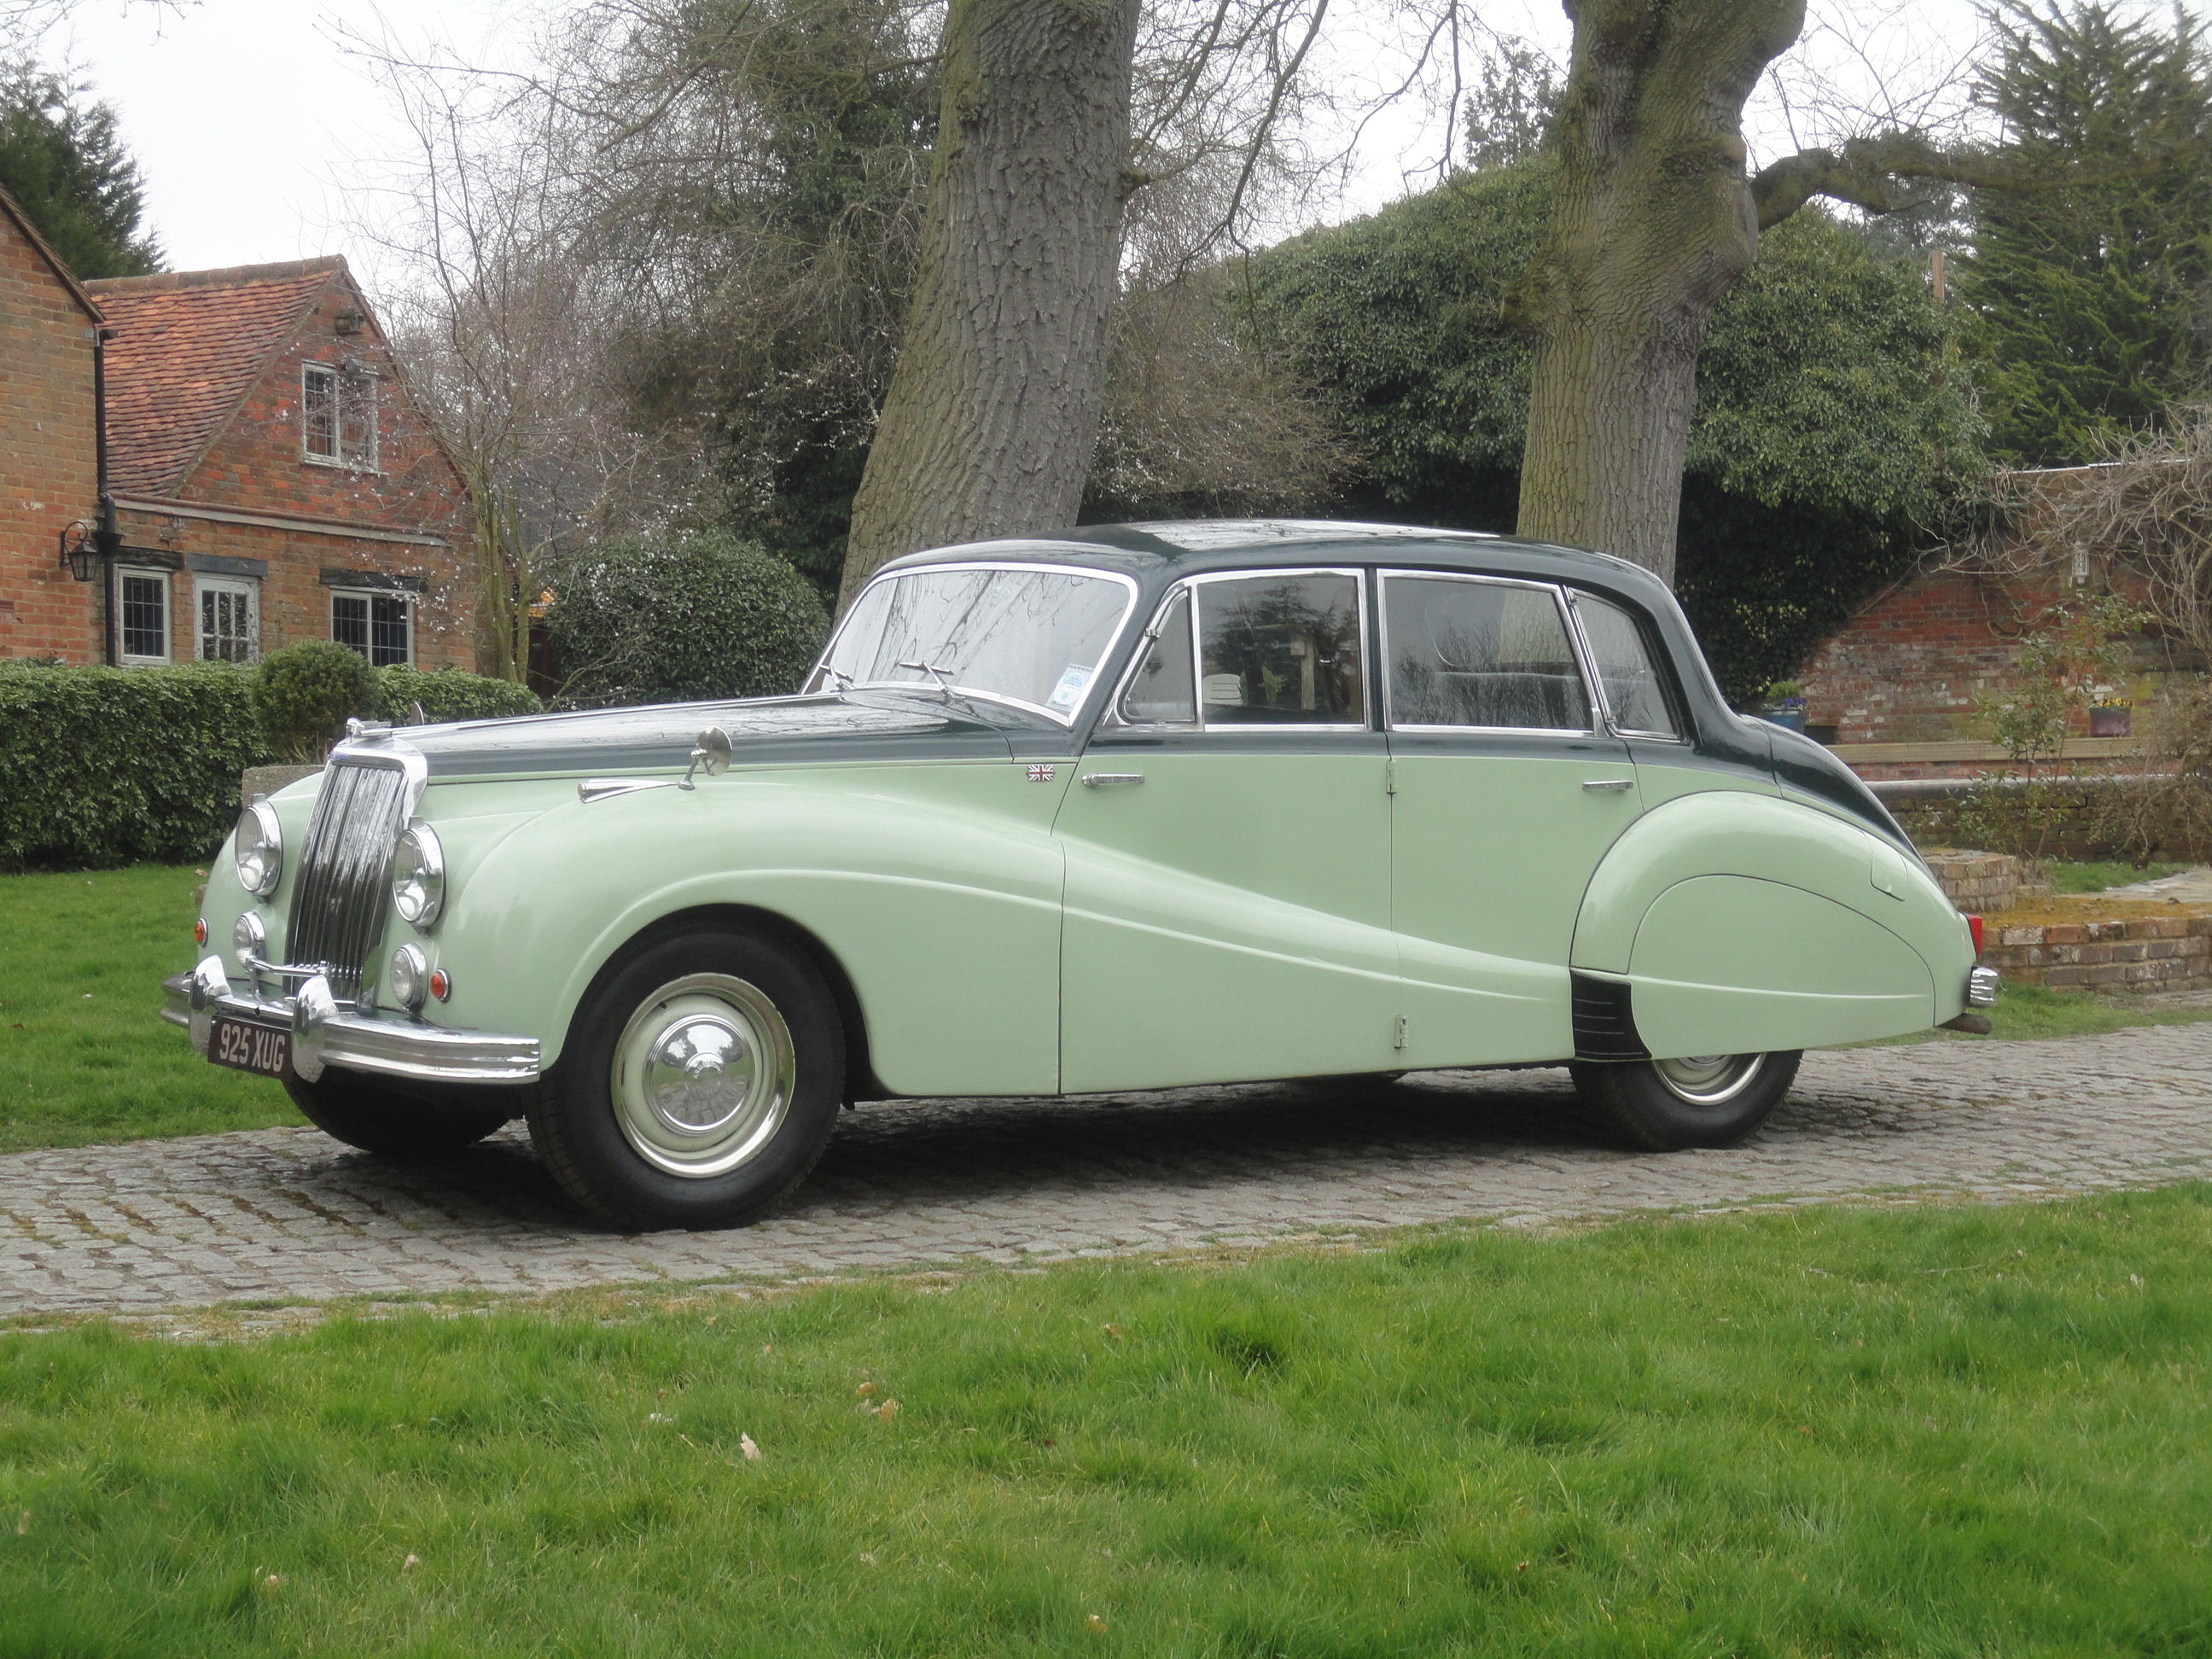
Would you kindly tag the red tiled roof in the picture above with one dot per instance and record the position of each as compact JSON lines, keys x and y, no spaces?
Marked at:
{"x":186,"y":350}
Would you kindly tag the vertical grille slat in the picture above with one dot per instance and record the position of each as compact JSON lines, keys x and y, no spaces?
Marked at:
{"x":338,"y":908}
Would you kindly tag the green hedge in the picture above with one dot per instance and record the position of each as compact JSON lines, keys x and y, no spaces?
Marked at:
{"x":109,"y":766}
{"x":448,"y":694}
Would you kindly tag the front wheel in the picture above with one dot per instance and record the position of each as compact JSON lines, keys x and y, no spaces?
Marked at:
{"x":1702,"y":1100}
{"x":699,"y":1086}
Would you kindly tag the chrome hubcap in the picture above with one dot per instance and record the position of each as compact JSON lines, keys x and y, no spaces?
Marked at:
{"x":703,"y":1075}
{"x":1707,"y":1080}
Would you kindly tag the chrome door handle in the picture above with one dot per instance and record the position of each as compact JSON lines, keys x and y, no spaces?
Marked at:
{"x":1610,"y":783}
{"x":1100,"y":779}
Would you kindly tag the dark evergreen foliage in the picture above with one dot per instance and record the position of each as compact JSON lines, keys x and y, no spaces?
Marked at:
{"x":1833,"y":440}
{"x":705,"y":615}
{"x":2090,"y":301}
{"x":64,"y":162}
{"x":788,"y":346}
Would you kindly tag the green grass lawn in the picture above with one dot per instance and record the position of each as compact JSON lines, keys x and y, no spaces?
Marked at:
{"x":84,"y":1053}
{"x":1968,"y":1431}
{"x":2068,"y":877}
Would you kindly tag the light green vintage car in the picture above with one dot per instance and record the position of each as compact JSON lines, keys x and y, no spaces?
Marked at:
{"x":1126,"y":808}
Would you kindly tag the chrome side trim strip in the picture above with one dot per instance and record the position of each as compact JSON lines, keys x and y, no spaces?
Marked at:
{"x":429,"y":1053}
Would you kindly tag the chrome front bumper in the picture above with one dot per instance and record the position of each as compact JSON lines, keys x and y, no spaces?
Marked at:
{"x":325,"y":1033}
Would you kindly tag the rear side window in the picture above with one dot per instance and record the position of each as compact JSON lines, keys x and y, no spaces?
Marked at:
{"x":1468,"y":653}
{"x":1634,"y":689}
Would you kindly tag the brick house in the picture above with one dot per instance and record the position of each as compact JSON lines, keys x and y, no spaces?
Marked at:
{"x":267,"y":479}
{"x":1896,"y":689}
{"x":49,"y":444}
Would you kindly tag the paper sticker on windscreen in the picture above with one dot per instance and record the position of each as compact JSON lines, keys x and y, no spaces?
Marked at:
{"x":1069,"y":691}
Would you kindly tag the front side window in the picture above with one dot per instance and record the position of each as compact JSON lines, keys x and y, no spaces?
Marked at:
{"x":1028,"y":634}
{"x":229,"y":621}
{"x":142,"y":613}
{"x":1280,"y":649}
{"x":1162,"y":691}
{"x":1634,"y":691}
{"x":381,"y":626}
{"x":1471,"y":652}
{"x":338,"y":414}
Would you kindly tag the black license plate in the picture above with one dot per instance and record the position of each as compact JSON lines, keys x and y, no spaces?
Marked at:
{"x":265,"y":1050}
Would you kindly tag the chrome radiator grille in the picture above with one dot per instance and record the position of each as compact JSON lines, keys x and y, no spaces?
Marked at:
{"x":337,"y":907}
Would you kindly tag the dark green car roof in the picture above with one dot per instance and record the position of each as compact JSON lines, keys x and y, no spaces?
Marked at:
{"x":1178,"y":548}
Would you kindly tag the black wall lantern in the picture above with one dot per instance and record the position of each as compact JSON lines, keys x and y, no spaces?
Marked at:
{"x":85,"y":545}
{"x":79,"y":551}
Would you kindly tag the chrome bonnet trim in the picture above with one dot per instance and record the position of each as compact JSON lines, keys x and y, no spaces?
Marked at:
{"x":341,"y":1036}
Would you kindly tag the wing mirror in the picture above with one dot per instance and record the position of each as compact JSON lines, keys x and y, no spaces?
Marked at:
{"x":710,"y":753}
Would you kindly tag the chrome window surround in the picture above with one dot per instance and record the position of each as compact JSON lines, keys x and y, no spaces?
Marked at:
{"x":1114,"y":720}
{"x":1659,"y":667}
{"x":815,"y":674}
{"x":1575,"y":643}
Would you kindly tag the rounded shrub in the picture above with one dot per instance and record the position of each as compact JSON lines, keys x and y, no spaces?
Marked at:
{"x":682,"y":620}
{"x":304,"y":694}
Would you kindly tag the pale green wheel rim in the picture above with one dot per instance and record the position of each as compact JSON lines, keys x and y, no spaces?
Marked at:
{"x":702,"y":1074}
{"x":1707,"y":1080}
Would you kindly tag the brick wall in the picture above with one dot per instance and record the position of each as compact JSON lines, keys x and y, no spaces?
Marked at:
{"x":1910,"y":667}
{"x":48,"y":456}
{"x":2145,"y":953}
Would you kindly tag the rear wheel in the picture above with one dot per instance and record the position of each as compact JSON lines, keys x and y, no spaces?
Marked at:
{"x":1700,"y":1100}
{"x":699,"y":1086}
{"x":384,"y":1115}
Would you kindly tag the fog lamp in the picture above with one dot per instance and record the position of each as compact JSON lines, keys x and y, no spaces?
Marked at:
{"x":247,"y":938}
{"x":409,"y":977}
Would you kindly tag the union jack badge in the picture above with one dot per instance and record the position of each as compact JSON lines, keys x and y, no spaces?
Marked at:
{"x":1043,"y":773}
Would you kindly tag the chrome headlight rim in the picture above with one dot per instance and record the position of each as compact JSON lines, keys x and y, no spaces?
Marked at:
{"x":257,"y":851}
{"x":418,"y":876}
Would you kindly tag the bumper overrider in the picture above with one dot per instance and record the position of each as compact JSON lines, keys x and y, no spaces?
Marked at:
{"x":325,"y":1033}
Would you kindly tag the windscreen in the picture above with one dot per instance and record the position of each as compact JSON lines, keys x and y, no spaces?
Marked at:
{"x":1021,"y":635}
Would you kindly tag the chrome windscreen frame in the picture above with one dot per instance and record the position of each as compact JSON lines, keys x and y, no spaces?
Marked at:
{"x":816,"y":683}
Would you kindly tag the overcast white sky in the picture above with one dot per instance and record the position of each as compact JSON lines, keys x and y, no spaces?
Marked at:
{"x":257,"y":132}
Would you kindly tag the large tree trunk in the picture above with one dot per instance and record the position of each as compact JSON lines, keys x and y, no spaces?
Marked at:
{"x":1654,"y":220}
{"x":993,"y":411}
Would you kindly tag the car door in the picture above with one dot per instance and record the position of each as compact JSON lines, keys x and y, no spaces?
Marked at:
{"x":1228,"y":847}
{"x":1508,"y":789}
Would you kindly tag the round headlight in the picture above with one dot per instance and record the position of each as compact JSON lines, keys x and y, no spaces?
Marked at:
{"x":409,"y":977}
{"x":260,"y":849}
{"x":418,"y":875}
{"x":247,"y":936}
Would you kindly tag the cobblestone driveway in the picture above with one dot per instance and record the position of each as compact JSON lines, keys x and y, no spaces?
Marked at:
{"x":286,"y":1212}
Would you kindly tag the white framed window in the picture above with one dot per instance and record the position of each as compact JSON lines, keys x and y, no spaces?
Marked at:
{"x":141,"y":614}
{"x":230,"y":617}
{"x":379,"y":625}
{"x":338,"y":415}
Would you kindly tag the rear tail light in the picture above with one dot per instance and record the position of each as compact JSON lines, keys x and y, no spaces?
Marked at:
{"x":1974,"y":926}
